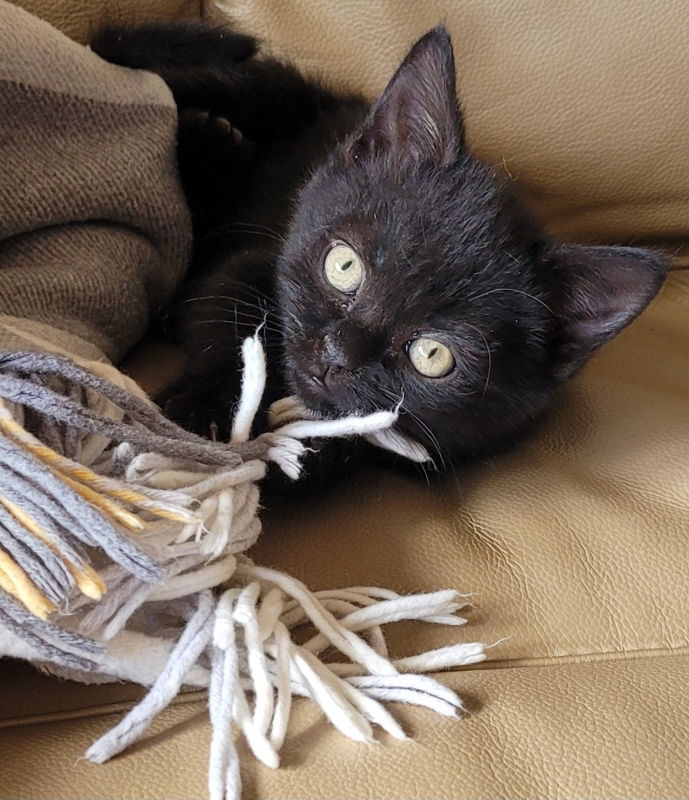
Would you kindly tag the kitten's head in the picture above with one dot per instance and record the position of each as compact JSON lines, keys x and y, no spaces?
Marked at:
{"x":410,"y":273}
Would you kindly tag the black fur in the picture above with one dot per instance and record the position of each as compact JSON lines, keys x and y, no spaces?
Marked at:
{"x":447,"y":250}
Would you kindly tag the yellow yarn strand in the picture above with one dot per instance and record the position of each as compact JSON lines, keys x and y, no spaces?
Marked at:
{"x":105,"y":504}
{"x":16,"y":582}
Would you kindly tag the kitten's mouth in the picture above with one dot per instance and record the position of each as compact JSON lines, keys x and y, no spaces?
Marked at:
{"x":315,"y":395}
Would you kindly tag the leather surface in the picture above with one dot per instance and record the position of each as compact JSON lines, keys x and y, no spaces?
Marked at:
{"x":619,"y":729}
{"x":585,"y":104}
{"x":575,"y":543}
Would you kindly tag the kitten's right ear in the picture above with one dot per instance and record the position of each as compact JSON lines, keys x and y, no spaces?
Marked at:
{"x":601,"y":290}
{"x":416,"y":119}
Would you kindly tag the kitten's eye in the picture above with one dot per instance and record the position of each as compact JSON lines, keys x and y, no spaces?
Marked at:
{"x":431,"y":358}
{"x":343,"y":269}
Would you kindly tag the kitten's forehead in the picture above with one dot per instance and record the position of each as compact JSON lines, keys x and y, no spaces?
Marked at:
{"x":438,"y":247}
{"x":431,"y":213}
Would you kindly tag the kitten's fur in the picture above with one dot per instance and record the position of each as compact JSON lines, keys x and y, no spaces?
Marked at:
{"x":447,"y":250}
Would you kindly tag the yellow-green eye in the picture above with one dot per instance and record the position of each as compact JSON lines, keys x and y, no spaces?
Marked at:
{"x":343,"y":269}
{"x":431,"y":358}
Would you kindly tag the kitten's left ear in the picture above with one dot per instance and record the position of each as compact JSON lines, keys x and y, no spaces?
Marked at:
{"x":416,"y":119}
{"x":601,"y":290}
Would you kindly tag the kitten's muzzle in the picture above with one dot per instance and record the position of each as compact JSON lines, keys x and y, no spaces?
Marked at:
{"x":321,"y":387}
{"x":332,"y":362}
{"x":341,"y":353}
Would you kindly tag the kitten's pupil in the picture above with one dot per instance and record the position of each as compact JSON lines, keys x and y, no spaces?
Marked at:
{"x":426,"y":353}
{"x":430,"y":358}
{"x":346,"y":265}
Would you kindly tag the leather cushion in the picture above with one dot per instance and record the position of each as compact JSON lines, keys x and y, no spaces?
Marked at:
{"x":619,"y":729}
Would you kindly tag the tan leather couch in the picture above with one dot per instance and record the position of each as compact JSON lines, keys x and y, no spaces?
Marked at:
{"x":576,"y":543}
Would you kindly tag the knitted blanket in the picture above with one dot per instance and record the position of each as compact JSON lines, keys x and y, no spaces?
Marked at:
{"x":123,"y":538}
{"x":95,"y":233}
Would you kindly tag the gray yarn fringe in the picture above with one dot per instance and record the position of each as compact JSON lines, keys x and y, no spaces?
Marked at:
{"x":52,"y":391}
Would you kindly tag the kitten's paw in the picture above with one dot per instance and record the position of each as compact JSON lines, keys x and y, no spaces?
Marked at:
{"x":206,"y":412}
{"x":201,"y":128}
{"x":286,"y":410}
{"x":214,"y":160}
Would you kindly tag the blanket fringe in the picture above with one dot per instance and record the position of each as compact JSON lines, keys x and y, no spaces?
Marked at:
{"x":122,"y":557}
{"x":252,"y":655}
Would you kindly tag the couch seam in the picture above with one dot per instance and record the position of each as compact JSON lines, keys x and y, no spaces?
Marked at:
{"x":186,"y":698}
{"x":200,"y":695}
{"x":597,"y":657}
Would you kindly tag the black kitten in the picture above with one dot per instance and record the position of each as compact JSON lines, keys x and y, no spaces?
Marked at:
{"x":389,"y":262}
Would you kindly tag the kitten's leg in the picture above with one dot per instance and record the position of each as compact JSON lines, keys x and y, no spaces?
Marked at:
{"x":212,"y":67}
{"x":160,"y":46}
{"x":326,"y":464}
{"x":214,"y":315}
{"x":215,"y":163}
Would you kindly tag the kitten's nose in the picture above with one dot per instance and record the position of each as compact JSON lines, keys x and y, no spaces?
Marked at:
{"x":344,"y":347}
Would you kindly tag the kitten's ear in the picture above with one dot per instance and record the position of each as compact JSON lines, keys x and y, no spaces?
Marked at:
{"x":416,"y":119}
{"x":602,"y":289}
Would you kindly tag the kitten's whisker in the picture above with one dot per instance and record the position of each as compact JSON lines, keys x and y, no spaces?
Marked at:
{"x":428,"y":432}
{"x":241,"y":228}
{"x":253,"y":289}
{"x":216,"y":297}
{"x":235,"y":323}
{"x":516,"y":291}
{"x":197,"y":299}
{"x":237,"y":311}
{"x":423,"y":427}
{"x":444,"y":464}
{"x":228,"y":232}
{"x":259,"y":312}
{"x":236,"y":300}
{"x":258,"y":226}
{"x":249,"y":319}
{"x":425,"y":473}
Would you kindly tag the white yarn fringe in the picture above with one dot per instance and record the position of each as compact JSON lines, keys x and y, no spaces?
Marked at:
{"x":238,"y":644}
{"x":253,"y":656}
